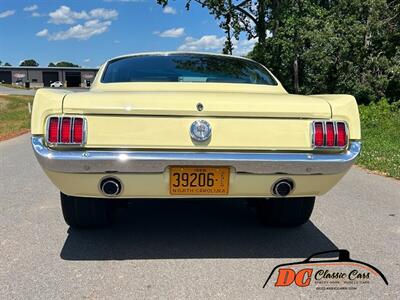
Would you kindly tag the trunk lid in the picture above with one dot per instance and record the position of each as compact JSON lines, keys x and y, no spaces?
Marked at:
{"x":184,"y":103}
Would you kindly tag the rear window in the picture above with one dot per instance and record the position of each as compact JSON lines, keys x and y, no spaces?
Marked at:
{"x":186,"y":68}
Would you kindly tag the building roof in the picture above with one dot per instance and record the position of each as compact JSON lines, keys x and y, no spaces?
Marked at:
{"x":47,"y":68}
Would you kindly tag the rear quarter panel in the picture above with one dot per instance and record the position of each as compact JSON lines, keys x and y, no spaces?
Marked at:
{"x":345,"y":108}
{"x":45,"y":103}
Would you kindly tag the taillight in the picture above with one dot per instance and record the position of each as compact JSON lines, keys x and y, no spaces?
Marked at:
{"x":66,"y":130}
{"x":341,"y":134}
{"x":329,"y":134}
{"x":52,"y":135}
{"x":78,"y":130}
{"x":318,"y":134}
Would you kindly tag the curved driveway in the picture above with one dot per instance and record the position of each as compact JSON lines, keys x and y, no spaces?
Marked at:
{"x":183,"y":249}
{"x":4,"y":90}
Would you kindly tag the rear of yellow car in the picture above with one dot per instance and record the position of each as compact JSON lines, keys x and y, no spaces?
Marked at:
{"x":192,"y":125}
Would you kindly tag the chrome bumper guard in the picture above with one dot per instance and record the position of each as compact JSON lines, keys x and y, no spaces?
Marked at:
{"x":122,"y":161}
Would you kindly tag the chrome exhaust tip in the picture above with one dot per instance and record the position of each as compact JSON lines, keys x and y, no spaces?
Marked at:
{"x":110,"y":186}
{"x":283,"y":187}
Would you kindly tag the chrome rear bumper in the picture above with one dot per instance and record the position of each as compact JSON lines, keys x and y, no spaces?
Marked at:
{"x":121,"y":161}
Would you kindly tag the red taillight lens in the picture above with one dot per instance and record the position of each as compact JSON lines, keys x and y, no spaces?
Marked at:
{"x":53,"y":130}
{"x":78,"y":130}
{"x":66,"y":130}
{"x":318,"y":134}
{"x":341,"y":134}
{"x":330,"y":134}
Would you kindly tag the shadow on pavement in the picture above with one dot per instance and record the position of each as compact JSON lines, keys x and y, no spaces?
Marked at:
{"x":187,"y":229}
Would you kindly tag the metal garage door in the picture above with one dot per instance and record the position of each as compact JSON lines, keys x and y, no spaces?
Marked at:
{"x":73,"y":79}
{"x":5,"y":77}
{"x":49,"y":77}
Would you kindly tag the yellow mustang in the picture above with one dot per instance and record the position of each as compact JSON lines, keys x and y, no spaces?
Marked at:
{"x":192,"y":125}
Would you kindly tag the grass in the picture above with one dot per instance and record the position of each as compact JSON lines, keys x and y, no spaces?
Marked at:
{"x":14,"y":115}
{"x":380,"y":129}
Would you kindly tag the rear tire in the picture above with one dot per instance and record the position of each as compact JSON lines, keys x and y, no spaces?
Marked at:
{"x":81,"y":212}
{"x":285,"y":212}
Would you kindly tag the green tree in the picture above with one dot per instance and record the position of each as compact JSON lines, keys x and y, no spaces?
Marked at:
{"x":7,"y":64}
{"x":63,"y":64}
{"x":343,"y":46}
{"x":236,"y":16}
{"x":29,"y":63}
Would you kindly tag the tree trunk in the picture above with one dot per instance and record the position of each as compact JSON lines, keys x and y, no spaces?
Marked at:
{"x":275,"y":12}
{"x":261,"y":22}
{"x":228,"y":47}
{"x":296,"y":86}
{"x":297,"y":50}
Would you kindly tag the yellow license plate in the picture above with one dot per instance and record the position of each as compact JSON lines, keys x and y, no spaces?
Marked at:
{"x":199,"y":180}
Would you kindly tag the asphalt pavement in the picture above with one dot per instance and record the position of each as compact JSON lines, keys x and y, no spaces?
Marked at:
{"x":181,"y":249}
{"x":4,"y":90}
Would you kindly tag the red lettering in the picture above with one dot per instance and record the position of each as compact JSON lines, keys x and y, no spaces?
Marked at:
{"x":301,"y":275}
{"x":285,"y":277}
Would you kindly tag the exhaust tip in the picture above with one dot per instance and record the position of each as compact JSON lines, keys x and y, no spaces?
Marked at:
{"x":283,"y":187}
{"x":110,"y":186}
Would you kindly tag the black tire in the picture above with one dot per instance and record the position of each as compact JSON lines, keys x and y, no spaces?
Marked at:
{"x":285,"y":212}
{"x":81,"y":212}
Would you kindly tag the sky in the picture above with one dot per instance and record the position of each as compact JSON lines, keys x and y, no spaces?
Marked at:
{"x":88,"y":32}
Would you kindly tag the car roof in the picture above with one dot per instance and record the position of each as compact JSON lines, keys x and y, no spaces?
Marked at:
{"x":166,"y":53}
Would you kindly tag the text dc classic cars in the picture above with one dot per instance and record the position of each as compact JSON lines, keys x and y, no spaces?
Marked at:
{"x":192,"y":125}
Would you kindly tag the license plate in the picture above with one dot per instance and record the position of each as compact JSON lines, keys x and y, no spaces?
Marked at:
{"x":199,"y":180}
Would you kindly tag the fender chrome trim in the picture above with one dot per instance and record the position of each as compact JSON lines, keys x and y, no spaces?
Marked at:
{"x":122,"y":161}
